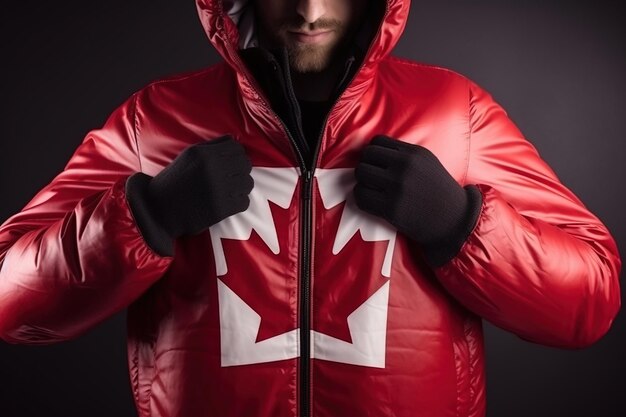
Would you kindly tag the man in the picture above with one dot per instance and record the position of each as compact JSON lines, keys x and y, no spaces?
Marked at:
{"x":279,"y":263}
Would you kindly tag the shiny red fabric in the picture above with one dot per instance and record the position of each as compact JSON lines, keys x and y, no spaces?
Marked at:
{"x":390,"y":336}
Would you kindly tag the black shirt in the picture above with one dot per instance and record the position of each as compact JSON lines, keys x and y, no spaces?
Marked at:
{"x":313,"y":114}
{"x":270,"y":68}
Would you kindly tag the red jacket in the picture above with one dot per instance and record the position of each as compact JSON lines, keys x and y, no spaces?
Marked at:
{"x":219,"y":329}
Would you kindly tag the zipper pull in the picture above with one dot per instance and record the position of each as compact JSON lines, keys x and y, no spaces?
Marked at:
{"x":306,"y":187}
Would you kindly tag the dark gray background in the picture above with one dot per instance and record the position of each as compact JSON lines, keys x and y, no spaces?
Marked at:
{"x":557,"y":68}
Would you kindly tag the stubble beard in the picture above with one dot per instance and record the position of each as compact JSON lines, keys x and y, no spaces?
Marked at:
{"x":310,"y":58}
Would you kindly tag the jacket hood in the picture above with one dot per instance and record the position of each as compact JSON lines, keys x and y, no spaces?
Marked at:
{"x":230,"y":26}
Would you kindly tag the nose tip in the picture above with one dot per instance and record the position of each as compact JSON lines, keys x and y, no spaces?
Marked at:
{"x":311,"y":10}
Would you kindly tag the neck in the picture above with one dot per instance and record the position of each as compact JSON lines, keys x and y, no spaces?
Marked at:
{"x":317,"y":86}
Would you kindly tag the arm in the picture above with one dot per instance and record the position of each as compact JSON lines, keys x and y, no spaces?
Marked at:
{"x":74,"y":256}
{"x":537,"y":262}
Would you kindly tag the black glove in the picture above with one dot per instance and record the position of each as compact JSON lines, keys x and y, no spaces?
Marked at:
{"x":203,"y":185}
{"x":408,"y":186}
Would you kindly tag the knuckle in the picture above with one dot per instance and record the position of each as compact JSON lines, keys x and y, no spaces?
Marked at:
{"x":357,"y":191}
{"x":191,"y":151}
{"x":358,"y":171}
{"x":243,"y":204}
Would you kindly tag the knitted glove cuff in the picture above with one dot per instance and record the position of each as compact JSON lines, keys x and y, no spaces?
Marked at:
{"x":439,"y":253}
{"x":155,"y":235}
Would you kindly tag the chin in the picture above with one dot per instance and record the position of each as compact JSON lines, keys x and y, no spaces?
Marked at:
{"x":309,"y":60}
{"x":308,"y":67}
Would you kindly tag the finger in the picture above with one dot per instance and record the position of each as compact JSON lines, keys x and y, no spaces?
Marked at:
{"x":380,"y":156}
{"x":236,"y":160}
{"x":243,"y":184}
{"x":371,"y":176}
{"x":384,"y":141}
{"x":222,"y":139}
{"x":231,"y":147}
{"x":369,"y":200}
{"x":215,"y":141}
{"x":241,"y":202}
{"x":397,"y":144}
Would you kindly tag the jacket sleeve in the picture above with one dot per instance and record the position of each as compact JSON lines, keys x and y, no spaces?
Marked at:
{"x":537,"y":262}
{"x":73,"y":256}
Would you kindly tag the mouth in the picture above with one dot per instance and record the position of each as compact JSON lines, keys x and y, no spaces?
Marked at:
{"x":311,"y":37}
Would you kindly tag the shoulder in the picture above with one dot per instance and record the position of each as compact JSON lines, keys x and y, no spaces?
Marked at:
{"x":424,"y":75}
{"x":421,"y":68}
{"x":427,"y":83}
{"x":188,"y":85}
{"x":189,"y":77}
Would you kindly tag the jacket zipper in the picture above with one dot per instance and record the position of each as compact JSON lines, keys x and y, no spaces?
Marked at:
{"x":306,"y":227}
{"x":305,"y":272}
{"x":305,"y":331}
{"x":306,"y":175}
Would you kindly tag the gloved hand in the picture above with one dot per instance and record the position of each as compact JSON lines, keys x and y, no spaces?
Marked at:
{"x":408,"y":186}
{"x":203,"y":185}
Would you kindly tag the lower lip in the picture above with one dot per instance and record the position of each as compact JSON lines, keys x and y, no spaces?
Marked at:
{"x":320,"y":37}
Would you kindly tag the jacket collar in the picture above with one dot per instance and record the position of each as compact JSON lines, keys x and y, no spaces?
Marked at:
{"x":270,"y":68}
{"x":229,"y":25}
{"x":264,"y":63}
